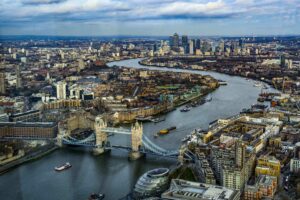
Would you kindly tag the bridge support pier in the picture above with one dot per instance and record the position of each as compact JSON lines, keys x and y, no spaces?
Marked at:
{"x":135,"y":155}
{"x":101,"y":137}
{"x":98,"y":151}
{"x":59,"y":138}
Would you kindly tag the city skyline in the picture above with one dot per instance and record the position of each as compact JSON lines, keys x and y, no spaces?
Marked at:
{"x":150,"y":17}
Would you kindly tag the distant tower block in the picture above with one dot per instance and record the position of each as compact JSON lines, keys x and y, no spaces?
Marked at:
{"x":101,"y":137}
{"x":136,"y":141}
{"x":19,"y":78}
{"x":2,"y":83}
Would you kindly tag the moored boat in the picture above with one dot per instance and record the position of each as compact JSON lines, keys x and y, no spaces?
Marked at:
{"x":185,"y":110}
{"x":258,"y":84}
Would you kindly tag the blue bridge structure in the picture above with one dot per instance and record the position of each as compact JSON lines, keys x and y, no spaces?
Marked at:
{"x":98,"y":141}
{"x":140,"y":144}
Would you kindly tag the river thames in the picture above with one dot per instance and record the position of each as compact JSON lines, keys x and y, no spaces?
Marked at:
{"x":112,"y":173}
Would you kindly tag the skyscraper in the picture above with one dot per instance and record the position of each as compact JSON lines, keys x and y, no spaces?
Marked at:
{"x":198,"y":44}
{"x":61,"y":90}
{"x":18,"y":76}
{"x":222,"y":46}
{"x":2,"y":83}
{"x":185,"y":43}
{"x":174,"y":41}
{"x":191,"y":47}
{"x":184,"y":40}
{"x":241,"y":43}
{"x":282,"y":61}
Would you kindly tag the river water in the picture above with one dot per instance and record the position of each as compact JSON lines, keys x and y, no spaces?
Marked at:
{"x":112,"y":173}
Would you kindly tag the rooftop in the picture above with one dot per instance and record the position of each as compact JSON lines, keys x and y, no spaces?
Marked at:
{"x":27,"y":124}
{"x":181,"y":189}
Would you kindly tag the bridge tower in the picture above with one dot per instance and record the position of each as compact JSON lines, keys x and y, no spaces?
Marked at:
{"x":62,"y":132}
{"x":101,"y":137}
{"x":136,"y":141}
{"x":181,"y":154}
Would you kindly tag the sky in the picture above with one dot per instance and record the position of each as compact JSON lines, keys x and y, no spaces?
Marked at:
{"x":150,"y":17}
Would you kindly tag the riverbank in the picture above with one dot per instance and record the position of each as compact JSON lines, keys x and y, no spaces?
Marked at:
{"x":267,"y":81}
{"x":123,"y":59}
{"x":43,"y":151}
{"x":194,"y":98}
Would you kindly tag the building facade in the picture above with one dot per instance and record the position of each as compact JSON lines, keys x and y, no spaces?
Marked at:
{"x":28,"y":129}
{"x":181,"y":189}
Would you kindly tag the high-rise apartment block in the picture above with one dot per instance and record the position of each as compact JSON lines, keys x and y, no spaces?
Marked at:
{"x":2,"y":83}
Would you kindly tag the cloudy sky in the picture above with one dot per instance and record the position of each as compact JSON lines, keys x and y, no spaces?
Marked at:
{"x":149,"y":17}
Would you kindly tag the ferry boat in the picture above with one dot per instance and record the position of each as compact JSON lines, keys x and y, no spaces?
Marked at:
{"x":65,"y":166}
{"x":163,"y":132}
{"x":166,"y":131}
{"x":95,"y":196}
{"x":185,"y":110}
{"x":222,"y":82}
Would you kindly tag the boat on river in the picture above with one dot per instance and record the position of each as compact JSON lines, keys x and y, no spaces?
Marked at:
{"x":185,"y":110}
{"x":166,"y":131}
{"x":65,"y":166}
{"x":144,"y":119}
{"x":95,"y":196}
{"x":221,"y":82}
{"x":258,"y":84}
{"x":159,"y":119}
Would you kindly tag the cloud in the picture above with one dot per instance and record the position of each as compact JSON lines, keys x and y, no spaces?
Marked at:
{"x":37,"y":2}
{"x":16,"y":12}
{"x":136,"y":9}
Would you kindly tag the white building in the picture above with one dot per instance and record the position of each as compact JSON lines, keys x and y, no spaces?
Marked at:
{"x":61,"y":90}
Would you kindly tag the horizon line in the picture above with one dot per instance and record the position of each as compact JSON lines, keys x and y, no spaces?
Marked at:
{"x":129,"y":35}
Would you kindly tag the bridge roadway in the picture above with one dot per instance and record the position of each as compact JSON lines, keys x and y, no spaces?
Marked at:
{"x":116,"y":130}
{"x":148,"y":146}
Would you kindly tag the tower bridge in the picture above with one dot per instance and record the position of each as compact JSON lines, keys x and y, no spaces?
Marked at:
{"x":98,"y":140}
{"x":140,"y":144}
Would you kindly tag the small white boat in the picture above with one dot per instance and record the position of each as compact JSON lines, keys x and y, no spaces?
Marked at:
{"x":257,"y":84}
{"x":65,"y":166}
{"x":185,"y":110}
